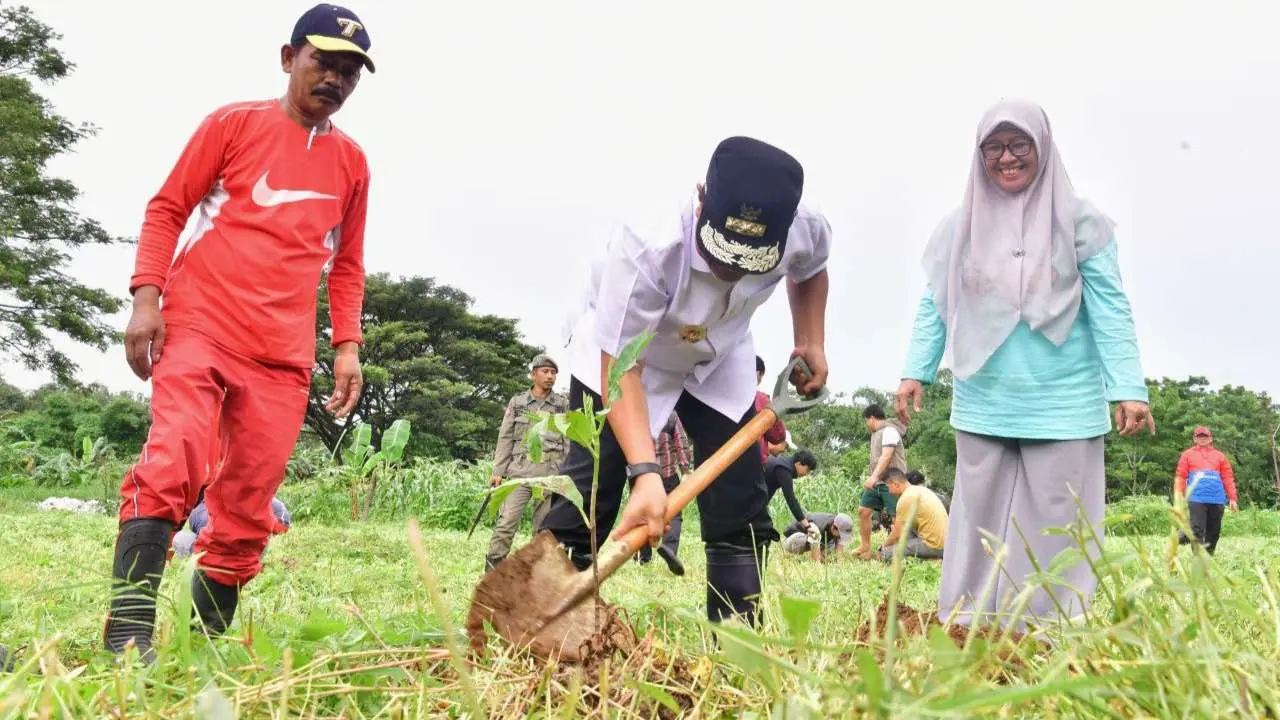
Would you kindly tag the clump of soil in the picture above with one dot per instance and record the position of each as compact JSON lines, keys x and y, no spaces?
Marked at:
{"x":1009,"y":647}
{"x":512,"y":597}
{"x":910,"y":620}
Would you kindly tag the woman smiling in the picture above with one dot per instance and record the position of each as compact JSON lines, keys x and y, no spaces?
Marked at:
{"x":1025,"y":298}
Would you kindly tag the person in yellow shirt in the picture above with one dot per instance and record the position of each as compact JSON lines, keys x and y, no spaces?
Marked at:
{"x":923,"y":535}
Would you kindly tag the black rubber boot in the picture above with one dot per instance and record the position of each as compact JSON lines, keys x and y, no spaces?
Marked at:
{"x":214,"y":602}
{"x":141,"y":550}
{"x":673,"y":563}
{"x":733,"y":582}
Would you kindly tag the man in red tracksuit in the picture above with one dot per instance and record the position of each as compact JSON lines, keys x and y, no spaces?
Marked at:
{"x":1213,"y":485}
{"x":282,"y":195}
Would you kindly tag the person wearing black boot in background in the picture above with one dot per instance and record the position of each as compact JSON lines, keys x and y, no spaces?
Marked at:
{"x":228,"y":325}
{"x":696,"y":285}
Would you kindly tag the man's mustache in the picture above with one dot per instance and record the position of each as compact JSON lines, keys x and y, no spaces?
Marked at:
{"x":328,"y":92}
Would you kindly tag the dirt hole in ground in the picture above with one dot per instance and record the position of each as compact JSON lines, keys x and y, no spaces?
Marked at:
{"x":1012,"y":648}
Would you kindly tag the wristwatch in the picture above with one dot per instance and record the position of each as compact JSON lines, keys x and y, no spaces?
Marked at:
{"x":637,"y":469}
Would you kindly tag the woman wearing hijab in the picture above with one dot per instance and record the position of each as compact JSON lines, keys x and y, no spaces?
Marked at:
{"x":1024,"y":296}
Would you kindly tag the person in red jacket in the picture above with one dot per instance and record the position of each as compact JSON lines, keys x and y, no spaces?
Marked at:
{"x":282,"y":195}
{"x":774,"y":441}
{"x":1213,"y":485}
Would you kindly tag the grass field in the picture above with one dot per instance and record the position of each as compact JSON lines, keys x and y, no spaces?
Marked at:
{"x":341,"y":624}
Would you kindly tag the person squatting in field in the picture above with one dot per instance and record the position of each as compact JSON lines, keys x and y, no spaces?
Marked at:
{"x":695,"y":285}
{"x":283,"y":195}
{"x":822,"y":535}
{"x":184,"y":541}
{"x":920,"y":521}
{"x":1024,"y":295}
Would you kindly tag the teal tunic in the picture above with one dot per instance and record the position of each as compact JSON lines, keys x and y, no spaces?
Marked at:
{"x":1032,"y":389}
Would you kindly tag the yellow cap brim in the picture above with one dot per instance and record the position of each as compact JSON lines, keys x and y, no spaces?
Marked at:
{"x":332,"y":44}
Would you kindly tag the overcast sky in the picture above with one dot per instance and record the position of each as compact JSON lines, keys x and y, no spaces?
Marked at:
{"x":524,"y":131}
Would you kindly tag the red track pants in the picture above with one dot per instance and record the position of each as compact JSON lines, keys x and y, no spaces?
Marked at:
{"x":207,"y":400}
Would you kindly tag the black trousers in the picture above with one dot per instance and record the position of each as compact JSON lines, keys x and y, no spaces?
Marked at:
{"x":734,"y":508}
{"x":1206,"y":523}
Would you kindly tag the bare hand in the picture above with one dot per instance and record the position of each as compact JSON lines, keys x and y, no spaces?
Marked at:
{"x":908,"y":398}
{"x":347,"y":381}
{"x":647,"y":507}
{"x":495,"y":481}
{"x":144,"y":336}
{"x":870,"y":484}
{"x":816,"y":357}
{"x":1132,"y":415}
{"x":1233,"y":506}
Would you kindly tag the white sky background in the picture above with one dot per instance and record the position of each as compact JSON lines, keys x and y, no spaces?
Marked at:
{"x":523,"y":131}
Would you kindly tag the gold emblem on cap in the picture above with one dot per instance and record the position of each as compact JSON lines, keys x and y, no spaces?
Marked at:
{"x":746,"y":225}
{"x":736,"y":254}
{"x":743,"y":227}
{"x":693,"y":333}
{"x":349,"y":27}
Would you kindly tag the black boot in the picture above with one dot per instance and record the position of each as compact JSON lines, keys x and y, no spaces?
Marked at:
{"x":214,"y":602}
{"x":673,"y":563}
{"x":733,"y":582}
{"x":141,"y":550}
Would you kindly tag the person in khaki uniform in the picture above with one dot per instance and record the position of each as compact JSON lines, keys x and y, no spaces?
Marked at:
{"x":511,"y":457}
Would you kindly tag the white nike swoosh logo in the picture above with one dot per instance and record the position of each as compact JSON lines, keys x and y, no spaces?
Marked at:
{"x":266,"y":197}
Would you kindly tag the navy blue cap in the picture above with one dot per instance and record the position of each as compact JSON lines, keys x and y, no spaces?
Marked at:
{"x":752,"y":192}
{"x":333,"y":28}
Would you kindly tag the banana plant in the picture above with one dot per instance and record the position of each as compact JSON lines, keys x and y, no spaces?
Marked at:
{"x":364,"y":464}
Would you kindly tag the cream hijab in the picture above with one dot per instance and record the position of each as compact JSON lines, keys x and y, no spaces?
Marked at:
{"x":1001,"y":259}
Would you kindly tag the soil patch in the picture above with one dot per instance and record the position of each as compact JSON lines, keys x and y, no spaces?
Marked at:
{"x":910,"y":620}
{"x":513,"y":597}
{"x":1010,"y":648}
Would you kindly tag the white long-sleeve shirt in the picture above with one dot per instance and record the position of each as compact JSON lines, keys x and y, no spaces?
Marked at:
{"x":654,"y":279}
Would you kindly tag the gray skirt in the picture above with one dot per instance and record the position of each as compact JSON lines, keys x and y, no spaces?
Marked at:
{"x":1007,"y":492}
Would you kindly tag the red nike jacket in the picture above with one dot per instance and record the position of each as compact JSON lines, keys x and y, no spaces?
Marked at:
{"x":276,"y":207}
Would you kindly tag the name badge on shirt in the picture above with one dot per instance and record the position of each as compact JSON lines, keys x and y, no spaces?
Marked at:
{"x":693,"y":333}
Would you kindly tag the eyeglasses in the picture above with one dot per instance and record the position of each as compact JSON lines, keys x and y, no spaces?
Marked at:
{"x":1020,"y":148}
